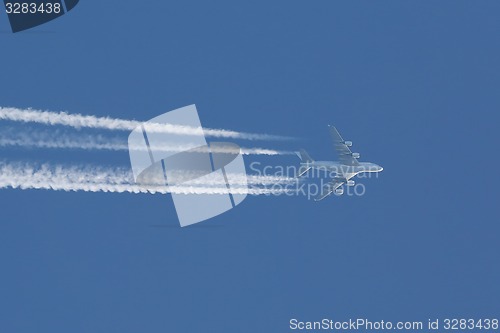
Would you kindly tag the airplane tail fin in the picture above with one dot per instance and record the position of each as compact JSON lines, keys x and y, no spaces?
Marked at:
{"x":304,"y":156}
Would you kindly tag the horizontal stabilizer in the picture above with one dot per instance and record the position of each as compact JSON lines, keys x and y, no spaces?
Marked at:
{"x":303,"y":169}
{"x":323,"y":195}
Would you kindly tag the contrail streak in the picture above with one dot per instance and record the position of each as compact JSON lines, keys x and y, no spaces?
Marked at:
{"x":114,"y":180}
{"x":98,"y":142}
{"x":79,"y":121}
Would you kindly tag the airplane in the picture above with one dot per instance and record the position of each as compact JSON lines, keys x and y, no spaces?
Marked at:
{"x":346,"y":168}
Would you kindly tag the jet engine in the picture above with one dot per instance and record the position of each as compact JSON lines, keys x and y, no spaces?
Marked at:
{"x":350,"y":183}
{"x":339,"y":191}
{"x":348,"y":143}
{"x":355,"y":155}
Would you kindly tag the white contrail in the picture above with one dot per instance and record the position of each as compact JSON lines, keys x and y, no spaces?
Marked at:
{"x":35,"y":139}
{"x":115,"y":180}
{"x":79,"y":121}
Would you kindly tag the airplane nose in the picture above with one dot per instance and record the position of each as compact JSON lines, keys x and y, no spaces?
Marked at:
{"x":381,"y":168}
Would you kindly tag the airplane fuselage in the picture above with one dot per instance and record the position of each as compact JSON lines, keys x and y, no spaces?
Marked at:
{"x":342,"y":170}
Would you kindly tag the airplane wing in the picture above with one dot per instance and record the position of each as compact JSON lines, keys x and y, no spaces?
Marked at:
{"x":329,"y":188}
{"x":345,"y":154}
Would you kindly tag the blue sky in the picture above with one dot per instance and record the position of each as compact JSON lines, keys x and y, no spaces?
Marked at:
{"x":414,"y":85}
